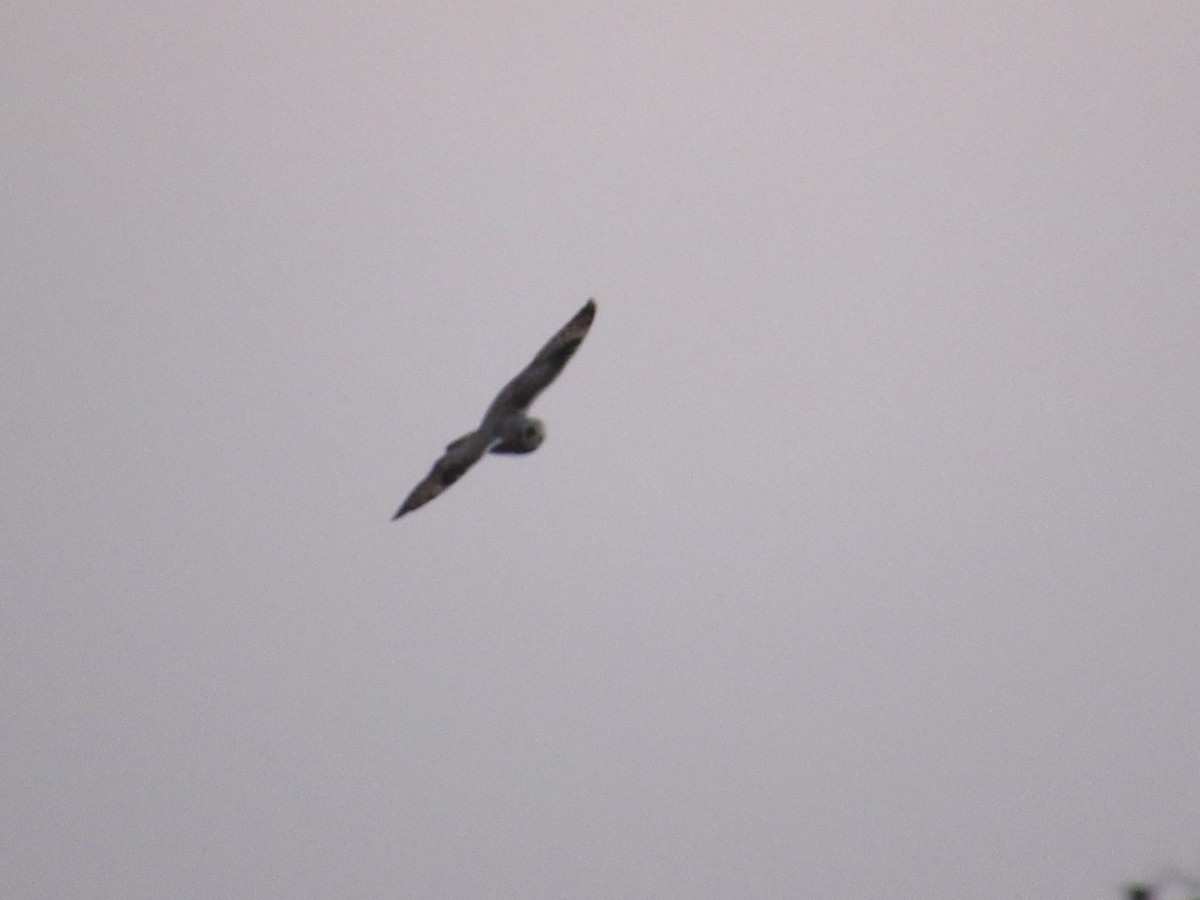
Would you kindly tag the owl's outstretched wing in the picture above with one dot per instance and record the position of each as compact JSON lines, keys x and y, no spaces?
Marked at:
{"x":522,"y":390}
{"x":459,"y":456}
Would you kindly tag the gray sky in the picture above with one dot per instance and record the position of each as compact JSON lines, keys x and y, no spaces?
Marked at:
{"x":861,"y":558}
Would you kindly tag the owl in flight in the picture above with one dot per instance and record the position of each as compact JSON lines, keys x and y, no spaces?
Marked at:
{"x":505,"y":427}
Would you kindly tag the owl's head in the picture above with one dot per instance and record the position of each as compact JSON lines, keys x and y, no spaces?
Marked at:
{"x":533,"y":432}
{"x":523,"y":435}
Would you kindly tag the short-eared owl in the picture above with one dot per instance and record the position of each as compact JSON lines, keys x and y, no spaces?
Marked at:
{"x":505,"y":427}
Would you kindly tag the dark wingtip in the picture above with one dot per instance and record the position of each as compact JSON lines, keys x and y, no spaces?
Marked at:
{"x":401,"y":511}
{"x":585,"y":315}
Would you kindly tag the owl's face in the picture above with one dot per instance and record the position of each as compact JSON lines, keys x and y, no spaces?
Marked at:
{"x":522,"y":434}
{"x":533,"y":432}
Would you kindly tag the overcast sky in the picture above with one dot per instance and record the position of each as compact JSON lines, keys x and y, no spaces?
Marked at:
{"x":862,"y":558}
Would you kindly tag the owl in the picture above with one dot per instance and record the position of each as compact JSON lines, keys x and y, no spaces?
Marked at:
{"x":505,"y":427}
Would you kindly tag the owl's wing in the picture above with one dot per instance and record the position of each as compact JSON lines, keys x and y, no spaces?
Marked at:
{"x":522,"y":390}
{"x":459,"y":456}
